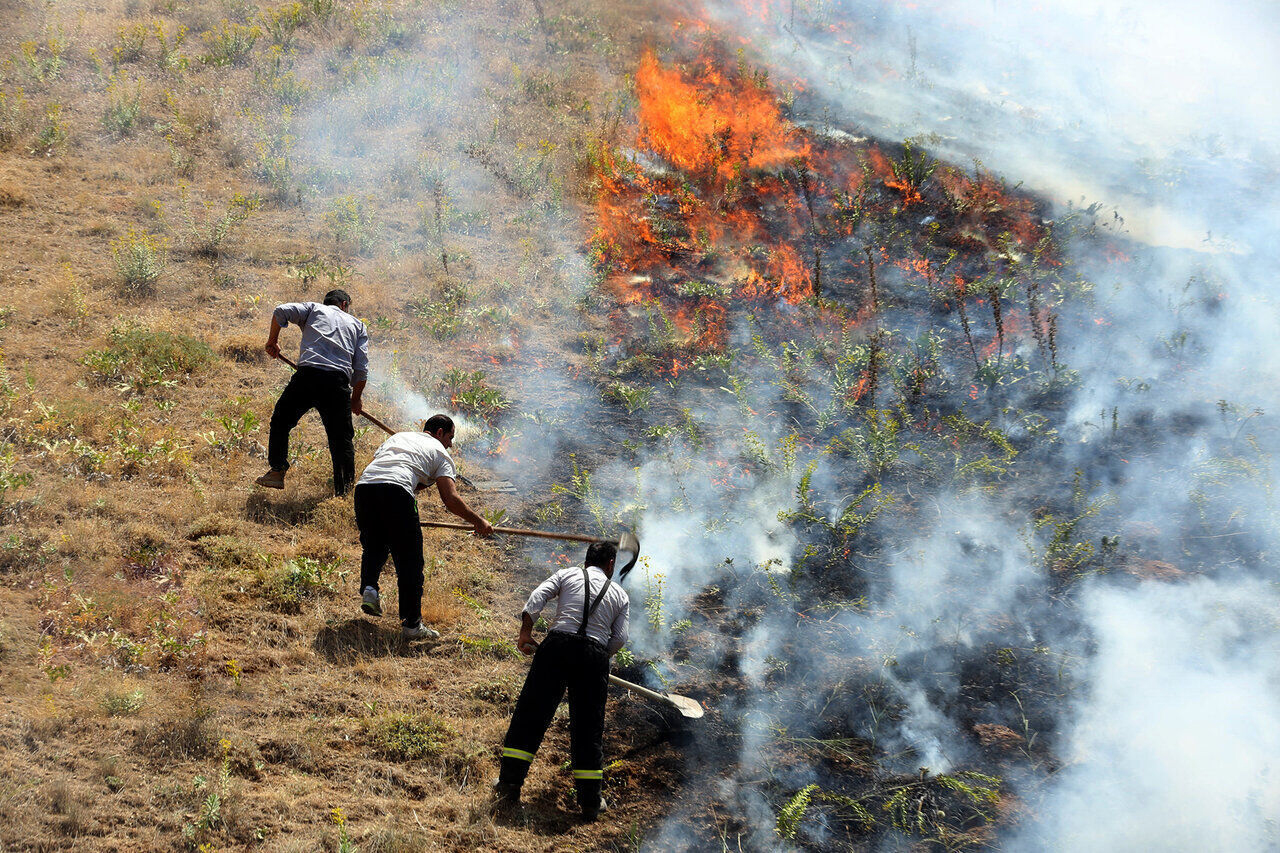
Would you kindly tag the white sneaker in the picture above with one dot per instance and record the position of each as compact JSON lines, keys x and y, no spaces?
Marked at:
{"x":419,"y":632}
{"x":370,"y":603}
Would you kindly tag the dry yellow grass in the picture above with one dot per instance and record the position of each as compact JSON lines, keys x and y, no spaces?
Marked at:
{"x":144,"y":653}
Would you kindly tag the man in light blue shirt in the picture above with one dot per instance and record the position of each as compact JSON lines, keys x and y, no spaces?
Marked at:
{"x":333,"y":366}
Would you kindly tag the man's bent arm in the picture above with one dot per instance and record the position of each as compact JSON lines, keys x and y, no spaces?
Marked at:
{"x":357,"y":390}
{"x":525,"y":642}
{"x":273,"y":339}
{"x":456,"y":505}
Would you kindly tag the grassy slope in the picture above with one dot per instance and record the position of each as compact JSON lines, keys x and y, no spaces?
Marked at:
{"x":145,"y":643}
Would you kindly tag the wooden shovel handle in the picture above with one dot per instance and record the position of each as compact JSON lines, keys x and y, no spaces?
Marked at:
{"x":388,"y":430}
{"x":517,"y":531}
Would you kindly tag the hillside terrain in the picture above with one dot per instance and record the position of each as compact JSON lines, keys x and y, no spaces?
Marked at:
{"x":938,"y":477}
{"x":186,"y":666}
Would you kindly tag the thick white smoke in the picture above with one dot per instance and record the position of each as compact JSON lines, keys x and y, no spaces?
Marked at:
{"x":1168,"y":115}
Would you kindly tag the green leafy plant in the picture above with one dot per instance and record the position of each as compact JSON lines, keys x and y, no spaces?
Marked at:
{"x":230,"y":43}
{"x":408,"y":737}
{"x":289,"y":583}
{"x":792,"y":812}
{"x":124,"y":104}
{"x":140,"y":260}
{"x":139,"y":358}
{"x":469,"y":391}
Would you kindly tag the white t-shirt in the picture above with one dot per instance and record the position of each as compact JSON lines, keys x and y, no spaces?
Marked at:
{"x":409,"y":459}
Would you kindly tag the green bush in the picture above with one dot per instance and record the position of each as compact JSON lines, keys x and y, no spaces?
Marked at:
{"x":289,"y":584}
{"x":230,"y":43}
{"x":142,"y":358}
{"x":118,"y":704}
{"x":140,"y":260}
{"x":124,"y":105}
{"x":407,"y":737}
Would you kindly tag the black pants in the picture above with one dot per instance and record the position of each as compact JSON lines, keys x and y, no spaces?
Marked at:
{"x":581,"y":665}
{"x":387,"y":516}
{"x":329,"y":393}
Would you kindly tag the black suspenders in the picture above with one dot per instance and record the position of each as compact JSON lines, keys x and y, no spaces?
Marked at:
{"x":589,"y":606}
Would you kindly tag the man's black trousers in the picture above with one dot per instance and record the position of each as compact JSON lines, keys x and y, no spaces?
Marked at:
{"x":387,"y":516}
{"x":581,"y":665}
{"x":329,"y":393}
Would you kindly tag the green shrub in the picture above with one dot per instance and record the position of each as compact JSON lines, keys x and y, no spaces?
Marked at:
{"x":142,"y":358}
{"x":408,"y":737}
{"x":140,"y":261}
{"x":118,"y":704}
{"x":124,"y":105}
{"x":230,"y":43}
{"x":289,"y":584}
{"x":13,"y":117}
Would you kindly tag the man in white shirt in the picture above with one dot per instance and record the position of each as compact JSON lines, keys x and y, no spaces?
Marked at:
{"x":387,"y":515}
{"x":589,"y":627}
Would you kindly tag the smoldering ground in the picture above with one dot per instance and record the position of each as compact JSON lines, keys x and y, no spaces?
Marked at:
{"x":945,"y":612}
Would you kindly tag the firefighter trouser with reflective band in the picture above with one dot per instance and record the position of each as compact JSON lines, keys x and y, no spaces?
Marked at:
{"x":581,"y":666}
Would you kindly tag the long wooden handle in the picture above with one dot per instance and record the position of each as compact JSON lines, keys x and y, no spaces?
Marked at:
{"x":643,"y":691}
{"x":517,"y":531}
{"x":388,"y":430}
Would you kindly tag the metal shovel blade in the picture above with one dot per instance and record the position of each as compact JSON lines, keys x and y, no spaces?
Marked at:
{"x":690,"y":709}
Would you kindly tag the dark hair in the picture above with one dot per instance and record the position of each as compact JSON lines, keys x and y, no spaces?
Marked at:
{"x":337,"y":297}
{"x":435,"y":423}
{"x":601,"y":554}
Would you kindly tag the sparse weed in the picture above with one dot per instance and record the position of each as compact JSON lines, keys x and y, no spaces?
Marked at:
{"x":283,"y":22}
{"x":484,"y":647}
{"x":132,"y":39}
{"x":168,"y":58}
{"x":72,"y":302}
{"x":13,"y":117}
{"x":288,"y":584}
{"x":52,"y":137}
{"x":118,"y":704}
{"x":408,"y":737}
{"x":206,"y":232}
{"x":276,"y":79}
{"x":44,"y":61}
{"x":138,"y":358}
{"x":354,"y":227}
{"x":140,"y":261}
{"x":230,"y":43}
{"x":124,"y":105}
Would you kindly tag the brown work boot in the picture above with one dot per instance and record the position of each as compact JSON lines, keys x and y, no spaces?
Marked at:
{"x":273,"y":479}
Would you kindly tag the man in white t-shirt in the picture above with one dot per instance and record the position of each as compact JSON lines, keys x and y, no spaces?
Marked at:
{"x":387,"y":515}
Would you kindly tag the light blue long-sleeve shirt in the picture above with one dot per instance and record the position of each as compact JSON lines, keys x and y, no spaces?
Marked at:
{"x":331,"y":338}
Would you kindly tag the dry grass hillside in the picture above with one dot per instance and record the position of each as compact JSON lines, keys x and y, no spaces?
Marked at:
{"x":185,"y":665}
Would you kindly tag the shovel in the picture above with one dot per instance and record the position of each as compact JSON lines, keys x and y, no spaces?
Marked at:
{"x":626,"y":542}
{"x":690,"y":709}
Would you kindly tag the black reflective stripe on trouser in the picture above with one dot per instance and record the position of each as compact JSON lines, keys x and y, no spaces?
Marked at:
{"x":580,"y":666}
